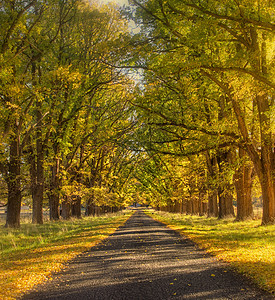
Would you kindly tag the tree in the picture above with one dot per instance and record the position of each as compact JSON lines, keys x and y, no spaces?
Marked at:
{"x":57,"y":72}
{"x":218,"y":40}
{"x":20,"y":18}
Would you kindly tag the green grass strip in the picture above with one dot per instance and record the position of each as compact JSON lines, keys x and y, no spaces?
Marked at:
{"x":30,"y":255}
{"x":247,"y":246}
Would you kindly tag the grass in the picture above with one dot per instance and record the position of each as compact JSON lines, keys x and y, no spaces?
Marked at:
{"x":30,"y":255}
{"x":247,"y":246}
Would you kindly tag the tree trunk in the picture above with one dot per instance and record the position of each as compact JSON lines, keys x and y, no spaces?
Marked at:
{"x":54,"y":191}
{"x":39,"y":189}
{"x":54,"y":206}
{"x":213,"y":210}
{"x":211,"y":162}
{"x":267,"y":182}
{"x":37,"y":184}
{"x":14,"y":183}
{"x":36,"y":161}
{"x":90,"y":208}
{"x":226,"y":208}
{"x":76,"y":207}
{"x":195,"y":206}
{"x":243,"y":185}
{"x":205,"y":208}
{"x":202,"y":204}
{"x":66,"y":208}
{"x":265,"y":164}
{"x":266,"y":172}
{"x":189,"y":207}
{"x":37,"y":215}
{"x":178,"y":205}
{"x":183,"y":207}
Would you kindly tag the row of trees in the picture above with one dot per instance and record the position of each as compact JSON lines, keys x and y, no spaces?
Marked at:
{"x":64,"y":109}
{"x":207,"y":99}
{"x":196,"y":131}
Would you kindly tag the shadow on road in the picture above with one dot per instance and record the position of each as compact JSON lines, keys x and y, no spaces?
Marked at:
{"x":145,"y":260}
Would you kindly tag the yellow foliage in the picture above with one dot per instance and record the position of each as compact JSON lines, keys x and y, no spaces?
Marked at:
{"x":22,"y":270}
{"x":247,"y":246}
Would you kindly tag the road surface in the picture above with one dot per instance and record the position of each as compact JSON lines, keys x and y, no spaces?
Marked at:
{"x":145,"y":260}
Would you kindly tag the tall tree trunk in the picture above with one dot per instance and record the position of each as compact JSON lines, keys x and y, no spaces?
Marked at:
{"x":225,"y":195}
{"x":226,"y":208}
{"x":212,"y":192}
{"x":66,"y":208}
{"x":189,"y":207}
{"x":36,"y":160}
{"x":202,"y":210}
{"x":76,"y":207}
{"x":213,"y":210}
{"x":264,"y":162}
{"x":54,"y":191}
{"x":14,"y":182}
{"x":195,"y":206}
{"x":267,"y":181}
{"x":264,"y":165}
{"x":37,"y":214}
{"x":266,"y":172}
{"x":183,"y":207}
{"x":39,"y":189}
{"x":243,"y":185}
{"x":178,"y":206}
{"x":89,"y":208}
{"x":37,"y":184}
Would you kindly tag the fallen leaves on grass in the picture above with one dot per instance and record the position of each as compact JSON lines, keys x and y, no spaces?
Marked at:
{"x":21,"y":270}
{"x":247,"y":246}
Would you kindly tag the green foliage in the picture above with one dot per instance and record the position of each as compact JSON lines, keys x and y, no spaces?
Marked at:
{"x":62,"y":97}
{"x":208,"y":75}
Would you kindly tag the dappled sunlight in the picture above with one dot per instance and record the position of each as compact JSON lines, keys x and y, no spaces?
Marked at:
{"x":245,"y":245}
{"x":21,"y":269}
{"x":145,"y":260}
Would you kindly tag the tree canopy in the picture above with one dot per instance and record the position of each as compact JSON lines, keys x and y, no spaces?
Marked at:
{"x":179,"y":115}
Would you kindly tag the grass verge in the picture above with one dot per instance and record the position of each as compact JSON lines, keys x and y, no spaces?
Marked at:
{"x":247,"y":246}
{"x":30,"y":255}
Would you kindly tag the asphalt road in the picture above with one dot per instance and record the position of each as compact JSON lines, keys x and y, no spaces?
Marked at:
{"x":145,"y":260}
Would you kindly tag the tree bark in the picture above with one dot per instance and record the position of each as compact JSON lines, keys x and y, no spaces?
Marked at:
{"x":213,"y":210}
{"x":211,"y":162}
{"x":39,"y":189}
{"x":37,"y":217}
{"x":243,"y":185}
{"x":267,"y":182}
{"x":195,"y":205}
{"x":183,"y":207}
{"x":37,"y":184}
{"x":90,"y":208}
{"x":36,"y":160}
{"x":14,"y":182}
{"x":76,"y":207}
{"x":189,"y":207}
{"x":265,"y":162}
{"x":66,"y":208}
{"x":54,"y":191}
{"x":264,"y":103}
{"x":226,"y":208}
